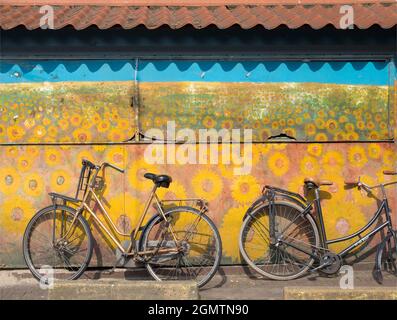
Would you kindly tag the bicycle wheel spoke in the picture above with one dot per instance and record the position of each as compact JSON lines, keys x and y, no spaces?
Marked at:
{"x":267,"y":253}
{"x":197,"y":242}
{"x":69,"y":257}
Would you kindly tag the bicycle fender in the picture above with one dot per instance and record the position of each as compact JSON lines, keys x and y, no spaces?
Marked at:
{"x":377,"y":272}
{"x":260,"y":200}
{"x":143,"y":228}
{"x":264,"y":199}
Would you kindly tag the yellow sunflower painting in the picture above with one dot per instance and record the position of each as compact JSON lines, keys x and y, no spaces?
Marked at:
{"x":245,"y":189}
{"x":207,"y":184}
{"x":227,"y":171}
{"x":175,"y":191}
{"x":135,"y":174}
{"x":84,"y":154}
{"x":103,"y":126}
{"x":60,"y":181}
{"x":321,"y":137}
{"x":117,"y":135}
{"x":9,"y":180}
{"x":332,"y":161}
{"x":24,"y":163}
{"x":309,"y":166}
{"x":341,"y":221}
{"x":357,"y":157}
{"x":32,"y":152}
{"x":297,"y":185}
{"x":279,"y":146}
{"x":39,"y":132}
{"x":229,"y":230}
{"x":81,"y":135}
{"x":15,"y":133}
{"x":99,"y":148}
{"x":33,"y":185}
{"x":116,"y":156}
{"x":374,"y":151}
{"x":389,"y":158}
{"x":278,"y":164}
{"x":16,"y":212}
{"x":75,"y":119}
{"x":52,"y":156}
{"x":310,"y":129}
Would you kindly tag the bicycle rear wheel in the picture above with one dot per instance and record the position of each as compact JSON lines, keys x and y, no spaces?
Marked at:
{"x":260,"y":244}
{"x":48,"y":253}
{"x":198,"y":237}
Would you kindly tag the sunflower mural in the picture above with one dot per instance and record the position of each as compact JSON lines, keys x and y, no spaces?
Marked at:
{"x":86,"y":112}
{"x":46,"y":129}
{"x":319,"y":112}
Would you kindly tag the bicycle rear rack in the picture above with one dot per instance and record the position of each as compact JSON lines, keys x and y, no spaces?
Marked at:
{"x":197,"y":203}
{"x":284,"y":192}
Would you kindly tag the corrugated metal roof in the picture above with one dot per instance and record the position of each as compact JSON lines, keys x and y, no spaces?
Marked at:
{"x":83,"y":13}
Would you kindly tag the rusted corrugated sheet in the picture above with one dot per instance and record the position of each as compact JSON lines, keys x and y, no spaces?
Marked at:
{"x":83,"y":14}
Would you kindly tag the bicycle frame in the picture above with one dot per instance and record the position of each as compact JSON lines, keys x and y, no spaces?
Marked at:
{"x":84,"y":206}
{"x":324,"y":242}
{"x":384,"y":206}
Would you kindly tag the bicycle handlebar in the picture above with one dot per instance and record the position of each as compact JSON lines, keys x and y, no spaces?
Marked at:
{"x":359,"y":184}
{"x":103,"y":165}
{"x":107,"y":164}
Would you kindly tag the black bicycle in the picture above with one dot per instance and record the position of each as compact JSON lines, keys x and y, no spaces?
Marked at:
{"x":282,"y":240}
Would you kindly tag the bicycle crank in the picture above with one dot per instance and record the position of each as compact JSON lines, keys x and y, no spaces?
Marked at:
{"x":330,"y":263}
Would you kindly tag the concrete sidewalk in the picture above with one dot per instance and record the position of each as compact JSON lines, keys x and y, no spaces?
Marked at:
{"x":231,"y":283}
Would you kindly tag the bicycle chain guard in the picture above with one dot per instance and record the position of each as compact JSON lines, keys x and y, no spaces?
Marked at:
{"x":332,"y":263}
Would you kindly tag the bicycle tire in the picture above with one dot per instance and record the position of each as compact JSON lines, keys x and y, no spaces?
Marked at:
{"x":27,"y":253}
{"x":245,"y":230}
{"x":170,"y":213}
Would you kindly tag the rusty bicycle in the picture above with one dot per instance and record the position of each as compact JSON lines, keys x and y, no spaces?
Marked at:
{"x":282,"y":240}
{"x":179,"y":242}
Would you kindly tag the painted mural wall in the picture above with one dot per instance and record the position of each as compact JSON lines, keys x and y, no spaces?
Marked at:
{"x":54,"y":113}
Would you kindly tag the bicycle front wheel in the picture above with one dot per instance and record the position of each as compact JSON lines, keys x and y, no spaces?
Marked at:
{"x":55,"y":247}
{"x":198,"y":240}
{"x":279,"y":245}
{"x":386,"y":257}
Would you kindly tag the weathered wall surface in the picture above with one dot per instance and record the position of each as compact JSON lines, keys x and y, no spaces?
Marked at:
{"x":47,"y":168}
{"x":53,"y":114}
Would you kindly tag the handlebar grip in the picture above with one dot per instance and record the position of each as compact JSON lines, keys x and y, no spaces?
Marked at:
{"x":351,"y":183}
{"x":389,"y":172}
{"x":114,"y":167}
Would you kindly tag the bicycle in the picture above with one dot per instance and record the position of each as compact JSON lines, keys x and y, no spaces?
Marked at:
{"x":281,"y":239}
{"x":179,"y":242}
